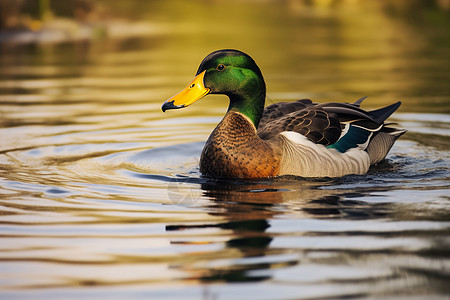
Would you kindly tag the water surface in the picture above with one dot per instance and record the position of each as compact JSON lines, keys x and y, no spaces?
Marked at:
{"x":100,"y":192}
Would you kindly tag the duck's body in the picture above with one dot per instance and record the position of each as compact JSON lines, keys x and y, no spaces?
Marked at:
{"x":292,"y":138}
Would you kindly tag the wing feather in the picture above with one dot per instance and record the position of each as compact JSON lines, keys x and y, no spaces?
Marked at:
{"x":342,"y":126}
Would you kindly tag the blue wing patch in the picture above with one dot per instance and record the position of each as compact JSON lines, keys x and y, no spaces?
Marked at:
{"x":354,"y":136}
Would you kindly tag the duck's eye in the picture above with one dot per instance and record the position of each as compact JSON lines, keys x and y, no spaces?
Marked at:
{"x":192,"y":85}
{"x":220,"y":67}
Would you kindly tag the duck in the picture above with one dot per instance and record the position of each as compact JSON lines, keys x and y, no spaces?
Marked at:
{"x":298,"y":138}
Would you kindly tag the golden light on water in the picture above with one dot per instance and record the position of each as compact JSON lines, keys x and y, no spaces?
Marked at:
{"x":100,"y":192}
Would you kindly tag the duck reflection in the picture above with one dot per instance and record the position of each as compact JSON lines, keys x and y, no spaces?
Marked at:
{"x":248,"y":241}
{"x":246,"y":210}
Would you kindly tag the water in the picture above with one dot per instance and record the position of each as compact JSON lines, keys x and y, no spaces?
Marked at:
{"x":100,"y":192}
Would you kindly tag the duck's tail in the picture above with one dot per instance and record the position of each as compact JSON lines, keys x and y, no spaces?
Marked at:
{"x":382,"y":142}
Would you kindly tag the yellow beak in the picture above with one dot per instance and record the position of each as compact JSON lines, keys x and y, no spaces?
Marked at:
{"x":193,"y":92}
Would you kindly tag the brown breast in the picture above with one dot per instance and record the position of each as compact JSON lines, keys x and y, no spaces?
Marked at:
{"x":234,"y":150}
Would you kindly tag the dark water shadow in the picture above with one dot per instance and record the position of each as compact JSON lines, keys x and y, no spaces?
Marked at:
{"x":247,"y":208}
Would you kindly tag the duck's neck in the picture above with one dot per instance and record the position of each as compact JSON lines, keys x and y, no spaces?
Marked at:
{"x":250,"y":104}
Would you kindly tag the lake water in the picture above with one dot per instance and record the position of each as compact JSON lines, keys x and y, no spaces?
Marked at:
{"x":100,"y":192}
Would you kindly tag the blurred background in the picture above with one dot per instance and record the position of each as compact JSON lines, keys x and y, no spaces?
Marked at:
{"x":330,"y":49}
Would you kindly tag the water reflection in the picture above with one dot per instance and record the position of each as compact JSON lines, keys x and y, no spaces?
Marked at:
{"x":248,"y":209}
{"x":249,"y":241}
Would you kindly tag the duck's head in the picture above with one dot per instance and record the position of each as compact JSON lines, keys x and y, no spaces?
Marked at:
{"x":229,"y":72}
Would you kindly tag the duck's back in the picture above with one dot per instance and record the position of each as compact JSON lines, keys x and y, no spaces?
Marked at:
{"x":339,"y":126}
{"x":303,"y":117}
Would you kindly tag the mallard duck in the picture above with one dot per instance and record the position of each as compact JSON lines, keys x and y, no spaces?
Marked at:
{"x":298,"y":138}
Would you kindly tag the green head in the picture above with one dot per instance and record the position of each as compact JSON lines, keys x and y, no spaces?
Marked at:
{"x":229,"y":72}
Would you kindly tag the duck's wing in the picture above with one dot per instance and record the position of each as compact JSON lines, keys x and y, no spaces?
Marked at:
{"x":315,"y":123}
{"x":360,"y":127}
{"x":337,"y":125}
{"x":278,"y":110}
{"x":319,"y":123}
{"x":351,"y":112}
